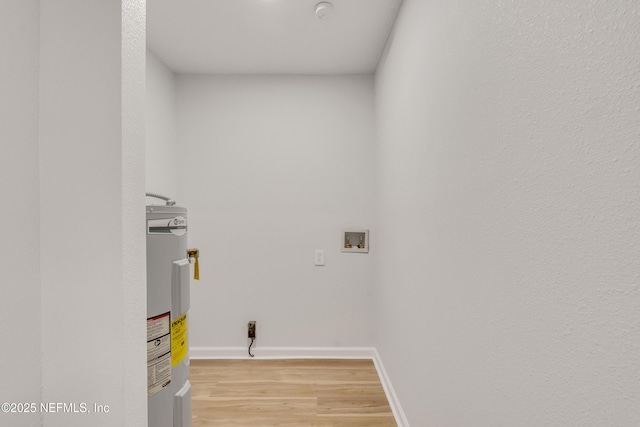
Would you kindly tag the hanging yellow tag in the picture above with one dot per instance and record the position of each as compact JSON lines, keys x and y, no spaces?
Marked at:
{"x":195,"y":253}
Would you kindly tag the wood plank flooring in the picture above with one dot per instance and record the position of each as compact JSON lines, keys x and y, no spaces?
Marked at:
{"x":288,"y":393}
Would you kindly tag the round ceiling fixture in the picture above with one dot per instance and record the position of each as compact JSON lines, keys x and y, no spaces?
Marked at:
{"x":323,"y":10}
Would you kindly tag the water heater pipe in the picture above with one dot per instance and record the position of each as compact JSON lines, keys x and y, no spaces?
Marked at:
{"x":170,"y":202}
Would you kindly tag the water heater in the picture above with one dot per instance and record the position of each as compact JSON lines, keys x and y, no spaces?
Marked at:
{"x":168,"y":277}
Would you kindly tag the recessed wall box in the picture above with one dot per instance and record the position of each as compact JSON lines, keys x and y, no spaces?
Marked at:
{"x":355,"y":240}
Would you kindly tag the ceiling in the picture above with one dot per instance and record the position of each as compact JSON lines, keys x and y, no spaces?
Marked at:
{"x":269,"y":36}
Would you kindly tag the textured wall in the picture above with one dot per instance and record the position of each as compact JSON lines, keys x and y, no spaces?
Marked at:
{"x":508,"y":282}
{"x":134,"y":273}
{"x":272,"y":169}
{"x":20,"y":369}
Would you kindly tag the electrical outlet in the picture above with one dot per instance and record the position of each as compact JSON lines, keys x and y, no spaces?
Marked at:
{"x":251,"y":327}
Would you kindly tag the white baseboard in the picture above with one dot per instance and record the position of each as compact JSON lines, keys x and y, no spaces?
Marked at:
{"x":282,"y":353}
{"x":310,"y":353}
{"x":392,"y":397}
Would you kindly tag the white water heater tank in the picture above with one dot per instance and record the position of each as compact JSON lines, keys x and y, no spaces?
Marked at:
{"x":168,"y":281}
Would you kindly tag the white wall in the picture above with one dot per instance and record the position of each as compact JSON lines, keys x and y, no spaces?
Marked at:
{"x":20,"y":369}
{"x":161,"y":146}
{"x":91,"y":113}
{"x":272,"y":169}
{"x":508,"y":282}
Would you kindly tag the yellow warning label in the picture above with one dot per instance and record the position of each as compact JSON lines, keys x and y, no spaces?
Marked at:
{"x":179,"y":344}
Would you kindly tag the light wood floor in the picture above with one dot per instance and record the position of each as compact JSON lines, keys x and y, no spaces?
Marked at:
{"x":288,"y":393}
